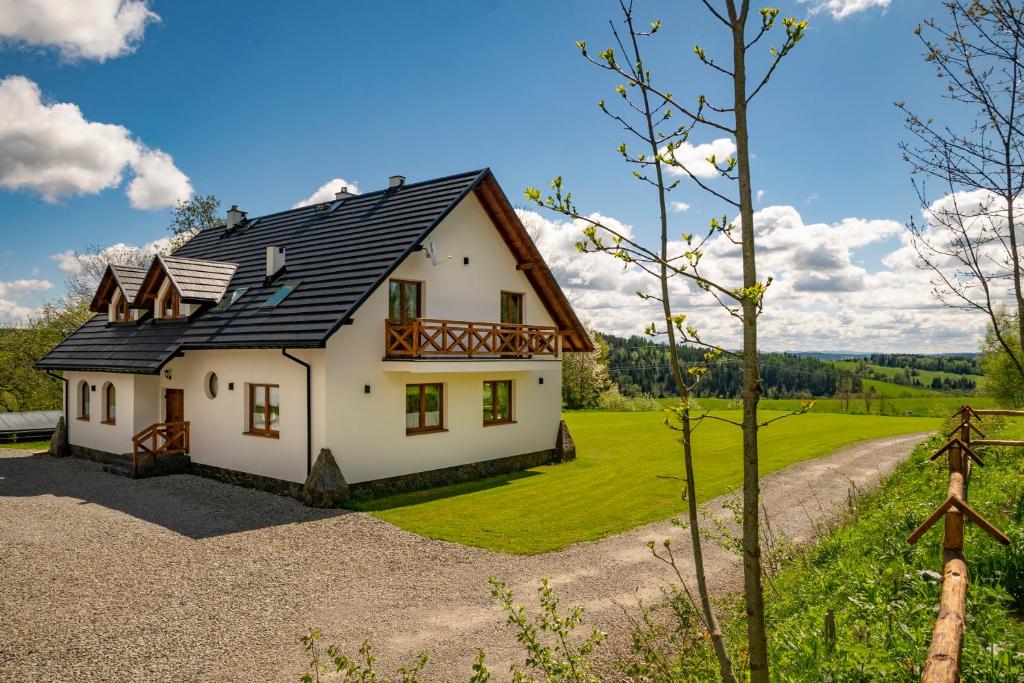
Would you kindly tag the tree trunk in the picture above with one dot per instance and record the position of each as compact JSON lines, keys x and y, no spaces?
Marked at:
{"x":752,"y":581}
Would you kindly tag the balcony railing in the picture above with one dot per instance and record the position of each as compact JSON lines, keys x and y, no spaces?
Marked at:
{"x":421,"y":337}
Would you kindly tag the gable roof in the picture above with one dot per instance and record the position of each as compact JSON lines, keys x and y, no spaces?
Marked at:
{"x":126,"y":278}
{"x":340,"y":252}
{"x":197,"y":281}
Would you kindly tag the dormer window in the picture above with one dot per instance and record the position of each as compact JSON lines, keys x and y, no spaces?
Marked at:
{"x":122,"y":310}
{"x":170,"y":305}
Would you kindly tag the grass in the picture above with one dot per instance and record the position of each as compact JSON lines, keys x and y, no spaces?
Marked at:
{"x":884,"y":607}
{"x":926,"y":376}
{"x":935,"y":405}
{"x":617,"y":481}
{"x":26,"y":445}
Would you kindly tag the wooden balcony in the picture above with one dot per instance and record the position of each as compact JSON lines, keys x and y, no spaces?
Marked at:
{"x":429,"y":338}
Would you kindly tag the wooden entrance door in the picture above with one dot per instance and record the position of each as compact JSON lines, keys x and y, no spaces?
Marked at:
{"x":174,"y":411}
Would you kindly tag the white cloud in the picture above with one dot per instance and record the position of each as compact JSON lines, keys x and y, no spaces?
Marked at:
{"x":326,"y":192}
{"x":78,"y":29}
{"x":55,"y":152}
{"x":822,"y":297}
{"x":694,"y":158}
{"x":760,"y":196}
{"x":13,"y":312}
{"x":680,"y":206}
{"x":841,"y":9}
{"x":156,"y":181}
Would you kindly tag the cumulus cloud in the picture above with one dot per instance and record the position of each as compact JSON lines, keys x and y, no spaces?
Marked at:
{"x":680,"y":206}
{"x":841,"y":9}
{"x":55,"y":152}
{"x":820,"y":298}
{"x":78,"y":29}
{"x":11,"y":310}
{"x":326,"y":192}
{"x":694,"y":158}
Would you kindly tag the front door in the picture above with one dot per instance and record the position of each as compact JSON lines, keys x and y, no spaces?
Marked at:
{"x":174,"y":411}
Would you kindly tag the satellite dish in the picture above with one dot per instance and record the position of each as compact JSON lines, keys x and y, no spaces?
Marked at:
{"x":432,"y":252}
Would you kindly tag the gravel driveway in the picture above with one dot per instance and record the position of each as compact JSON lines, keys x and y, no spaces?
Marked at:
{"x":186,"y":579}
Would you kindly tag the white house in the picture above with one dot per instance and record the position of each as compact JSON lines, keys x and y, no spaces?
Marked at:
{"x":414,"y":332}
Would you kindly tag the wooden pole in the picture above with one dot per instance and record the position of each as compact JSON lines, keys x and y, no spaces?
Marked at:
{"x":943,"y":663}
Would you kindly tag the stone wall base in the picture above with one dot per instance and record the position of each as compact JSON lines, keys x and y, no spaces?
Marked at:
{"x":252,"y":481}
{"x":457,"y":474}
{"x":96,"y":455}
{"x":375,"y":488}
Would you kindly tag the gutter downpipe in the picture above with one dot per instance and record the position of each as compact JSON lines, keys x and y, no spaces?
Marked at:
{"x":67,"y":398}
{"x":309,"y":410}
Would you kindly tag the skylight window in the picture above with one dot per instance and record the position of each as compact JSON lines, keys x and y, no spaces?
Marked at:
{"x":228,"y":299}
{"x":280,"y":295}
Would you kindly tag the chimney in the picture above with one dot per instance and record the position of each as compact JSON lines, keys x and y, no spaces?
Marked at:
{"x":235,"y":217}
{"x":342,"y":194}
{"x":396,"y":181}
{"x":275,"y":261}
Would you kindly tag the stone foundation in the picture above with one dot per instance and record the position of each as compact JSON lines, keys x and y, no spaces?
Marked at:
{"x":252,"y":481}
{"x":450,"y":475}
{"x":95,"y":455}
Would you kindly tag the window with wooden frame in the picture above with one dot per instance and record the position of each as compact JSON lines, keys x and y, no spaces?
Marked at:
{"x":264,"y":410}
{"x":405,"y":300}
{"x":109,"y":404}
{"x":498,"y":402}
{"x":424,"y":408}
{"x":122,"y":311}
{"x":512,"y":308}
{"x":170,"y":305}
{"x":83,"y":401}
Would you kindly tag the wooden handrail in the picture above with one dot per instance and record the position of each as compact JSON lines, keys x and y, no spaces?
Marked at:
{"x":419,"y":337}
{"x":175,"y":440}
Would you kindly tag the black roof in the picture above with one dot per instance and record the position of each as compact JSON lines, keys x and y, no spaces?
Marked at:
{"x":339,"y":252}
{"x":197,"y":280}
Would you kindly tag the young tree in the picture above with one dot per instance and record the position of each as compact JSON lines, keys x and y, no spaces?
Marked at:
{"x":650,"y":112}
{"x":869,"y":398}
{"x":191,"y":217}
{"x":91,"y":262}
{"x":585,"y":375}
{"x":970,"y":240}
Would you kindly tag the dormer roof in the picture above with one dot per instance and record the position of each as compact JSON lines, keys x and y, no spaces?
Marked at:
{"x":126,"y":278}
{"x":197,"y":281}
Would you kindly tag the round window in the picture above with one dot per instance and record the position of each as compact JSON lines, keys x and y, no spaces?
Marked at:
{"x":212,"y":385}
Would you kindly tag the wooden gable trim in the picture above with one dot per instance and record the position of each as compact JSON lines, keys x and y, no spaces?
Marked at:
{"x":531,"y":263}
{"x":150,"y":287}
{"x":105,"y":292}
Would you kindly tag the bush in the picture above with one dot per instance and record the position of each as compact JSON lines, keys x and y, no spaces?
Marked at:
{"x":614,"y":401}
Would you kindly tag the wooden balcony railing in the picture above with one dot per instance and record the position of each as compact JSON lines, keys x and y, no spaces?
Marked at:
{"x":421,"y":337}
{"x":160,"y":438}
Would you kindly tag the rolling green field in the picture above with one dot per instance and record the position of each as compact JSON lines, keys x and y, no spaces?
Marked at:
{"x":618,"y":480}
{"x":935,"y":404}
{"x":926,"y":376}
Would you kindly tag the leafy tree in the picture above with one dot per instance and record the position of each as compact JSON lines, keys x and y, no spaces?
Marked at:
{"x":191,"y":217}
{"x":649,"y":116}
{"x":1001,"y":379}
{"x":585,"y":375}
{"x":22,"y":387}
{"x":971,"y":241}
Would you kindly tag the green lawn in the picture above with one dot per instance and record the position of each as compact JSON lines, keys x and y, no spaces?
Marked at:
{"x":935,"y":404}
{"x":26,"y":445}
{"x":617,"y":481}
{"x":926,"y":376}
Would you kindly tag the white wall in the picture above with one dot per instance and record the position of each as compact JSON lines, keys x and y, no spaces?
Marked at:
{"x":217,"y":426}
{"x":366,"y":432}
{"x":115,"y":438}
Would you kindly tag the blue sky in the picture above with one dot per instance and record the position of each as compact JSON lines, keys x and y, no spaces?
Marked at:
{"x":261,"y":103}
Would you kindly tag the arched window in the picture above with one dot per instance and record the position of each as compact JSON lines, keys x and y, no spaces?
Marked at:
{"x":109,"y":404}
{"x":83,"y":400}
{"x":122,"y":311}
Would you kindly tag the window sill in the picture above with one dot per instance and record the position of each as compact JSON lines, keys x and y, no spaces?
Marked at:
{"x":108,"y":422}
{"x":431,"y":430}
{"x":496,"y":423}
{"x":265,"y":435}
